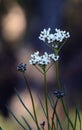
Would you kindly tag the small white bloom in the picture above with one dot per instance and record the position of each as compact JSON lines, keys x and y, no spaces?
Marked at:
{"x":67,"y":35}
{"x":61,"y":35}
{"x":51,"y":38}
{"x":35,"y":58}
{"x":44,"y":34}
{"x":54,"y":57}
{"x":40,"y":60}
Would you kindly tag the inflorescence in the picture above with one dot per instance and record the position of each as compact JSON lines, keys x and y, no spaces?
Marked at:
{"x":58,"y":94}
{"x":43,"y":59}
{"x":58,"y":36}
{"x":21,"y":67}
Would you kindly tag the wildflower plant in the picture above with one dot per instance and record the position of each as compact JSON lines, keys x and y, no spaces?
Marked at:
{"x":43,"y":63}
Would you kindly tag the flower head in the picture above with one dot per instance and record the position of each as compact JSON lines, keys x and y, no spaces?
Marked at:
{"x":59,"y":94}
{"x":55,"y":38}
{"x":44,"y":59}
{"x":44,"y":34}
{"x":61,"y":35}
{"x":54,"y":57}
{"x":40,"y":60}
{"x":21,"y":67}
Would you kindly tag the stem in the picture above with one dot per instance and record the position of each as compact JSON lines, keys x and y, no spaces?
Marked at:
{"x":54,"y":111}
{"x":75,"y":120}
{"x":49,"y":67}
{"x":62,"y":45}
{"x":38,"y":69}
{"x":57,"y":75}
{"x":66,"y":113}
{"x":46,"y":94}
{"x":16,"y":118}
{"x":28,"y":87}
{"x":59,"y":88}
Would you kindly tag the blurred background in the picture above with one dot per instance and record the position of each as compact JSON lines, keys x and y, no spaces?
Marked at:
{"x":20,"y":24}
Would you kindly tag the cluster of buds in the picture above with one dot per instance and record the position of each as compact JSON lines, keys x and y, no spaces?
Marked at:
{"x":58,"y":94}
{"x":21,"y":67}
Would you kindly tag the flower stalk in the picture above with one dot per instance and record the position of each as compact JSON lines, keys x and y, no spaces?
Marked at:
{"x":54,"y":111}
{"x":28,"y":87}
{"x":59,"y":88}
{"x":46,"y":95}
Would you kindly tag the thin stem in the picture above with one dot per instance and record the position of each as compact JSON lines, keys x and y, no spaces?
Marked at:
{"x":49,"y":67}
{"x":66,"y":113}
{"x":28,"y":87}
{"x":62,"y":45}
{"x":24,"y":105}
{"x":16,"y":118}
{"x":57,"y":75}
{"x":46,"y":95}
{"x":59,"y":88}
{"x":78,"y":114}
{"x":75,"y":120}
{"x":26,"y":122}
{"x":38,"y":69}
{"x":54,"y":110}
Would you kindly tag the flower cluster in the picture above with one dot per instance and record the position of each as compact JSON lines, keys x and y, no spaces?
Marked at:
{"x":59,"y":94}
{"x":46,"y":36}
{"x":58,"y":36}
{"x":61,"y":35}
{"x":43,"y":59}
{"x":54,"y":57}
{"x":21,"y":67}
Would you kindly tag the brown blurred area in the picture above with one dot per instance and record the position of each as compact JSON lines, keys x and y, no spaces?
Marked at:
{"x":20,"y":25}
{"x":12,"y":28}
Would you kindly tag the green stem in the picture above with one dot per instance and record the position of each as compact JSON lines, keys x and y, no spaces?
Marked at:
{"x":28,"y":87}
{"x":46,"y":95}
{"x":49,"y":67}
{"x":16,"y":118}
{"x":62,"y":45}
{"x":75,"y":120}
{"x":57,"y":75}
{"x":39,"y":69}
{"x":66,"y":113}
{"x":59,"y":88}
{"x":54,"y":110}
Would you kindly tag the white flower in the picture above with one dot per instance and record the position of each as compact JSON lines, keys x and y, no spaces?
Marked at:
{"x":54,"y":57}
{"x":50,"y":38}
{"x":61,"y":35}
{"x":40,"y":60}
{"x":44,"y":59}
{"x":44,"y":34}
{"x":35,"y":58}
